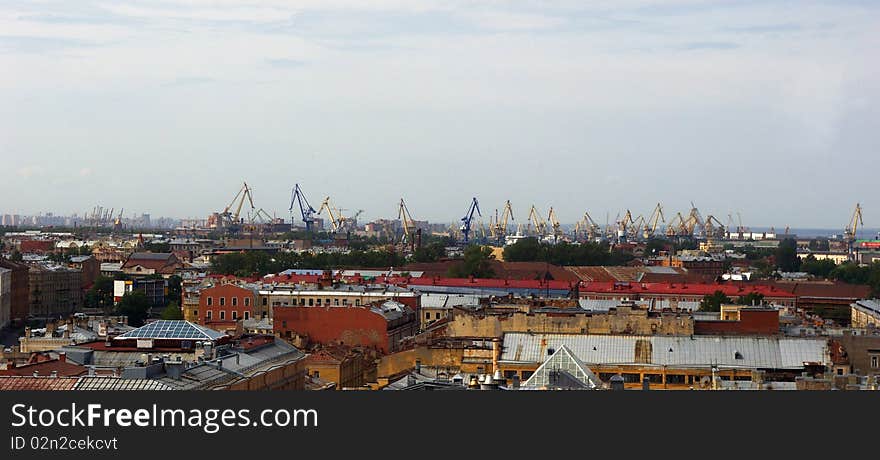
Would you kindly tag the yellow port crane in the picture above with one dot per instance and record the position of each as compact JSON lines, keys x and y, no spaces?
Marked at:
{"x":677,"y":226}
{"x":540,"y":224}
{"x":713,"y":231}
{"x":637,"y":229}
{"x":586,"y":226}
{"x":654,"y":222}
{"x":233,"y":218}
{"x":554,"y":223}
{"x":337,"y":220}
{"x":623,"y":225}
{"x":409,"y":225}
{"x":852,"y":229}
{"x":499,"y":225}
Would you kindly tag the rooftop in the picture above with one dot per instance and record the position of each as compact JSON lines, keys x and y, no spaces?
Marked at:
{"x":172,"y":329}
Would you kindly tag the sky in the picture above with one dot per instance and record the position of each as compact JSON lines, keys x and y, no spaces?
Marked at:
{"x":767,"y":108}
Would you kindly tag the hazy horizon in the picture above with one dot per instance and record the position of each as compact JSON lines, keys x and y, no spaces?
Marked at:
{"x":769,"y":109}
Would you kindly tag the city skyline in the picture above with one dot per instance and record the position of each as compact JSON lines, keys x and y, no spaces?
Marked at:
{"x":763,"y":108}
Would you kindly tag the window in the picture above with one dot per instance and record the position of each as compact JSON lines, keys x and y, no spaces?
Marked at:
{"x":428,"y":315}
{"x":336,"y":302}
{"x":344,"y":301}
{"x":235,"y":301}
{"x":327,"y":302}
{"x":222,"y":315}
{"x":437,"y":315}
{"x":247,"y":315}
{"x":196,"y":313}
{"x":265,"y":301}
{"x":210,"y":301}
{"x":234,"y":315}
{"x":311,"y":302}
{"x":222,"y":301}
{"x":676,"y":379}
{"x":208,"y":314}
{"x":247,"y":302}
{"x":357,"y":302}
{"x":318,"y":302}
{"x":874,"y":361}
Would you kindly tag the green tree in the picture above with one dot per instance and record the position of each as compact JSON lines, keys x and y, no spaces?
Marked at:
{"x":175,"y":289}
{"x":16,"y":256}
{"x":477,"y":263}
{"x":752,"y":298}
{"x":786,"y":256}
{"x":172,"y":311}
{"x":101,"y":294}
{"x":713,"y":302}
{"x":819,"y":268}
{"x":135,"y":306}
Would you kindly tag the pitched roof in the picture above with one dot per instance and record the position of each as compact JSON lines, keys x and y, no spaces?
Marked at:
{"x":565,"y":362}
{"x":172,"y":329}
{"x":20,"y":383}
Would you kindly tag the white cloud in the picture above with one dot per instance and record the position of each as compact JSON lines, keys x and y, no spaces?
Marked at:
{"x":85,"y":172}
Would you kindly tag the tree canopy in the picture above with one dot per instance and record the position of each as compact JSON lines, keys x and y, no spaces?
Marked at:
{"x":564,"y":253}
{"x":135,"y":306}
{"x":477,"y":263}
{"x":713,"y":302}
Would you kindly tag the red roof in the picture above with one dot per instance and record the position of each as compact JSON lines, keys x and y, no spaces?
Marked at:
{"x":46,"y":368}
{"x":730,"y":290}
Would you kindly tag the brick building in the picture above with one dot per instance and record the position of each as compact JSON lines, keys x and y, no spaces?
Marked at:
{"x":221,"y":306}
{"x":741,"y":320}
{"x":382,"y":326}
{"x":5,"y":297}
{"x":19,"y":291}
{"x":149,"y":263}
{"x":55,"y":291}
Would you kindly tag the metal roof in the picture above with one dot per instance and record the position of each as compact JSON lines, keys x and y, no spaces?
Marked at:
{"x":116,"y":383}
{"x":172,"y":329}
{"x":679,"y":351}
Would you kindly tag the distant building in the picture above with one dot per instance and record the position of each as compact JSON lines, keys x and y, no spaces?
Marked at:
{"x":865,"y":313}
{"x":148,"y":263}
{"x":221,"y":307}
{"x":5,"y":297}
{"x":89,"y":266}
{"x":19,"y":291}
{"x":55,"y":291}
{"x":154,"y":289}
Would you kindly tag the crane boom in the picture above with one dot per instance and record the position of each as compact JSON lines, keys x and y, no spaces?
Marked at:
{"x":306,"y":210}
{"x":466,"y":220}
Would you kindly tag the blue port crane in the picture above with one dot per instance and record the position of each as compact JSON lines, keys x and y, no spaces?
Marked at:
{"x":306,"y":210}
{"x":466,"y":220}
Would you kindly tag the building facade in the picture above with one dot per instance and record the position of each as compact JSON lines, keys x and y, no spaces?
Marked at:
{"x":55,"y":291}
{"x":5,"y":297}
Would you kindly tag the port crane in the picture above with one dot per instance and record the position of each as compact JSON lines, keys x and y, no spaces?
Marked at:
{"x":654,"y":222}
{"x":554,"y":223}
{"x":499,"y":226}
{"x":540,"y":224}
{"x":337,"y":220}
{"x":231,"y":219}
{"x":713,"y":231}
{"x":586,"y":226}
{"x":852,"y":230}
{"x":468,"y":217}
{"x":297,"y":197}
{"x":410,"y":233}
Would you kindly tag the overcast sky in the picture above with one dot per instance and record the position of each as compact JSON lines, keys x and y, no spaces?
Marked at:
{"x":768,"y":108}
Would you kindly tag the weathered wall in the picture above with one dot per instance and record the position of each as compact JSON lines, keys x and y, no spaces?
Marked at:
{"x":624,"y":321}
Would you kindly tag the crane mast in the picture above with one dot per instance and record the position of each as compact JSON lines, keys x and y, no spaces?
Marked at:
{"x":306,"y":210}
{"x":468,"y":217}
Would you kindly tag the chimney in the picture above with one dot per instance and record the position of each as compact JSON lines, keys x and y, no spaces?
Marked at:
{"x":418,"y":366}
{"x":62,"y":357}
